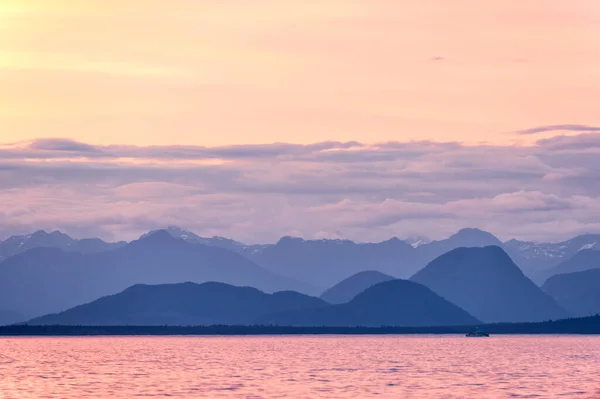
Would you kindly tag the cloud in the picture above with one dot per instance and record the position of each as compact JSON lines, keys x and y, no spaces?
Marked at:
{"x":62,"y":145}
{"x":57,"y":147}
{"x":257,"y":193}
{"x":552,"y":128}
{"x":581,"y":142}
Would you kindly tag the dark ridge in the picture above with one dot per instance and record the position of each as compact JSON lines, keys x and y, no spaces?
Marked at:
{"x":395,"y":302}
{"x":50,"y":280}
{"x":181,"y":304}
{"x":586,"y":325}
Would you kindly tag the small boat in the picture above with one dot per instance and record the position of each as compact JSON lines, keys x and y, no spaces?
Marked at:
{"x":477,"y":333}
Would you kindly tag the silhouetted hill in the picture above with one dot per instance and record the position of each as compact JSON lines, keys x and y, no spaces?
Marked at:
{"x":48,"y":280}
{"x":347,"y":289}
{"x":392,"y":303}
{"x":578,"y":292}
{"x":181,"y":304}
{"x":583,"y":260}
{"x":41,"y":239}
{"x":487,"y":283}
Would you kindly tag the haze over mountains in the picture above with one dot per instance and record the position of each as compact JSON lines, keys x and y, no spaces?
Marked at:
{"x":346,"y":290}
{"x":397,"y":302}
{"x":578,"y":292}
{"x":583,"y":260}
{"x":489,"y":285}
{"x":337,"y":259}
{"x":391,"y":303}
{"x":41,"y":239}
{"x":182,"y":304}
{"x":221,"y":242}
{"x":323,"y":263}
{"x":51,"y":272}
{"x":48,"y":280}
{"x":7,"y":317}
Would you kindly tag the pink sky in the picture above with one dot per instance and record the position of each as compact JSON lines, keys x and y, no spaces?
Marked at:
{"x":259,"y":71}
{"x":88,"y":86}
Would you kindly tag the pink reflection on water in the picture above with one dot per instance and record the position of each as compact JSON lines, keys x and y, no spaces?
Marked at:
{"x":299,"y":367}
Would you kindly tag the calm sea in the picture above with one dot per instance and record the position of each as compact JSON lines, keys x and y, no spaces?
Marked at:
{"x":301,"y":367}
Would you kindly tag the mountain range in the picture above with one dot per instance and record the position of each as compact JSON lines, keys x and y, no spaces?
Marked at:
{"x":463,"y":286}
{"x":220,"y":242}
{"x":585,"y":259}
{"x":392,"y":303}
{"x":336,"y":259}
{"x":182,"y":304}
{"x":543,"y":256}
{"x":50,"y":272}
{"x":48,"y":280}
{"x":41,"y":239}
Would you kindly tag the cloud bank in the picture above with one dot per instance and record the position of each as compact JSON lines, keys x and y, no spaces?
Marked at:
{"x":258,"y":193}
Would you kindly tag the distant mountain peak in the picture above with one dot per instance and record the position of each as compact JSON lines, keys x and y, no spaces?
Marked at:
{"x":470,"y":231}
{"x":174,"y":231}
{"x":159,"y":236}
{"x":489,"y":250}
{"x":289,"y":239}
{"x":417,"y":241}
{"x":489,"y":285}
{"x":471,"y":237}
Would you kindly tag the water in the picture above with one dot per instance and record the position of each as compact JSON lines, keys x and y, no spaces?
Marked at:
{"x":300,"y":367}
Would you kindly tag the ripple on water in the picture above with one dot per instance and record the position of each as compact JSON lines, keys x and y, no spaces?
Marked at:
{"x":300,"y":367}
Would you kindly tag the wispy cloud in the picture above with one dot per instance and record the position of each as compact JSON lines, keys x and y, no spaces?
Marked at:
{"x":71,"y":146}
{"x":553,"y":128}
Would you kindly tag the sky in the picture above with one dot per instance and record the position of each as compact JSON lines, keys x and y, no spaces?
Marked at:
{"x":255,"y":119}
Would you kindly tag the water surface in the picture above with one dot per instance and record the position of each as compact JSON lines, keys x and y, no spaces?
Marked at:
{"x":301,"y":367}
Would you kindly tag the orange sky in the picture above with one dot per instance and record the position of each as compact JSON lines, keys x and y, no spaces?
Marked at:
{"x":211,"y":72}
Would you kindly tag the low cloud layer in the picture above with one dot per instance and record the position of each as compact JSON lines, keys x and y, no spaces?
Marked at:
{"x":258,"y":193}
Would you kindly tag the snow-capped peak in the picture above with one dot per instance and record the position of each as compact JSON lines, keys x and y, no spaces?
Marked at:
{"x":588,"y":246}
{"x":417,"y":241}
